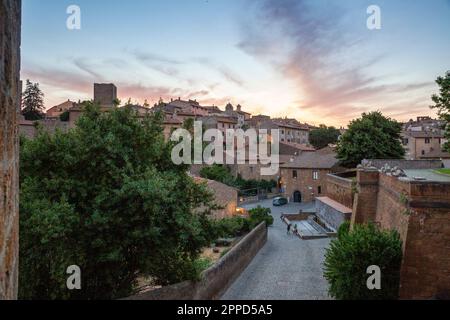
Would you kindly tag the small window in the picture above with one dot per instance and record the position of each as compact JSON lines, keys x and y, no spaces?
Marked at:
{"x":294,"y":174}
{"x":316,"y":175}
{"x":423,"y":152}
{"x":319,"y":190}
{"x":427,"y":141}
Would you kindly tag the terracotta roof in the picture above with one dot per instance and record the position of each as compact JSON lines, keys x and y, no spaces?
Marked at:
{"x":299,"y":146}
{"x":424,"y":134}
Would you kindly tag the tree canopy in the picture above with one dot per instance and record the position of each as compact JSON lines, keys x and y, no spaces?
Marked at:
{"x":323,"y":136}
{"x":32,"y":102}
{"x":106,"y":197}
{"x":442,"y":103}
{"x":373,"y":136}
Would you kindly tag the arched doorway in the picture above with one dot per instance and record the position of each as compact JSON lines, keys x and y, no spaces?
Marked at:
{"x":297,"y":196}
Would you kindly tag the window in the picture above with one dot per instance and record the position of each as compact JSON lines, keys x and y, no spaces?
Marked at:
{"x":294,"y":174}
{"x":319,"y":190}
{"x":315,"y":175}
{"x":427,"y":141}
{"x":423,"y":152}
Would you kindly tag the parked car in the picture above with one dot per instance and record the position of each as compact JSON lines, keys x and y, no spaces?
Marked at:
{"x":280,"y":201}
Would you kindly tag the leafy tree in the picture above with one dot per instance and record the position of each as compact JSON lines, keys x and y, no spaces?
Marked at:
{"x":348,"y":258}
{"x":442,"y":103}
{"x":106,"y":196}
{"x":33,"y":102}
{"x":373,"y":136}
{"x":323,"y":136}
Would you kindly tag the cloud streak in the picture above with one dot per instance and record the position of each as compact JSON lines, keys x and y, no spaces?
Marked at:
{"x":313,"y":49}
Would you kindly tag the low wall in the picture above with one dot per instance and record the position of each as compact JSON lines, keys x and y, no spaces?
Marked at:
{"x":408,"y":164}
{"x":217,"y":279}
{"x":332,"y":213}
{"x":340,"y":189}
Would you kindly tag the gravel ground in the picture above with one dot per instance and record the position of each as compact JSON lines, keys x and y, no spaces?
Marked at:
{"x":286,"y":268}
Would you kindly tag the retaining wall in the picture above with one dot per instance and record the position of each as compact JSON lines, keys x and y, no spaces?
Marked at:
{"x":217,"y":279}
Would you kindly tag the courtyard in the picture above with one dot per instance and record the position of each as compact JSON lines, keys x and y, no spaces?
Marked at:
{"x":286,"y":268}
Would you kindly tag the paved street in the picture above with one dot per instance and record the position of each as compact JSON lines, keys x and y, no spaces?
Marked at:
{"x":287,"y":268}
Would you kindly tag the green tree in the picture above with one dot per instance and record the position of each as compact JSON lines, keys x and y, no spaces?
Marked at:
{"x":373,"y":136}
{"x":106,"y":197}
{"x":442,"y":104}
{"x":218,"y":173}
{"x":32,"y":102}
{"x":348,"y":258}
{"x":323,"y":136}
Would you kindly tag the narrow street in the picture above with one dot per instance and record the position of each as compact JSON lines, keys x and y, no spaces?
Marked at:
{"x":287,"y":268}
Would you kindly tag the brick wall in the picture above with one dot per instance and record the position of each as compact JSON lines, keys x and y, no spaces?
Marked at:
{"x":408,"y":164}
{"x":340,"y":189}
{"x":420,"y":212}
{"x":10,"y":21}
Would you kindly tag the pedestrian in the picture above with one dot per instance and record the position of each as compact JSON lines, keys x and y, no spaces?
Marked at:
{"x":295,"y":230}
{"x":289,"y":228}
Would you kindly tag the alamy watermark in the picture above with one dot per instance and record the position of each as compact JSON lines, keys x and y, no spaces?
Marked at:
{"x":374,"y":281}
{"x":374,"y":20}
{"x":74,"y":280}
{"x":73,"y":21}
{"x":263,"y":148}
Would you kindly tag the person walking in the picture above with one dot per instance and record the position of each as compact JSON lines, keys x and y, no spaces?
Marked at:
{"x":289,"y":229}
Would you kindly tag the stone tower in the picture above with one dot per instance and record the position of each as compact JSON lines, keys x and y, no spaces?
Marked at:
{"x":105,"y":94}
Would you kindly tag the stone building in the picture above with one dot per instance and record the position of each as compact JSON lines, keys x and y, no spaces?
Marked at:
{"x":10,"y":97}
{"x":424,"y":145}
{"x":225,"y":196}
{"x":304,"y":177}
{"x":57,"y":111}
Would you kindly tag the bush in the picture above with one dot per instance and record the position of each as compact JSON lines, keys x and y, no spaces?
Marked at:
{"x":232,"y":227}
{"x":106,"y":197}
{"x":259,"y":215}
{"x":349,"y":256}
{"x":344,"y":229}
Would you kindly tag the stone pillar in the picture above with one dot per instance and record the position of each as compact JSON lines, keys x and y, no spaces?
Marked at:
{"x":10,"y":23}
{"x":365,"y":205}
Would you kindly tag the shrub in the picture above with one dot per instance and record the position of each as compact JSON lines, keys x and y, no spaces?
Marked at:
{"x":349,"y":256}
{"x":232,"y":227}
{"x":259,"y":215}
{"x":344,"y":229}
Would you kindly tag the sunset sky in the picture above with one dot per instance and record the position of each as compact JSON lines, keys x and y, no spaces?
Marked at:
{"x":314,"y":60}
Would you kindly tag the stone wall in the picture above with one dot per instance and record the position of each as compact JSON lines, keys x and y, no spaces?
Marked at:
{"x":340,"y":189}
{"x":10,"y":22}
{"x":29,"y":129}
{"x":217,"y":279}
{"x":408,"y":164}
{"x":420,"y":212}
{"x":333,"y":214}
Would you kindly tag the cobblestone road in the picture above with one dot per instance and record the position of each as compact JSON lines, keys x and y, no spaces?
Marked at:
{"x":287,"y":268}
